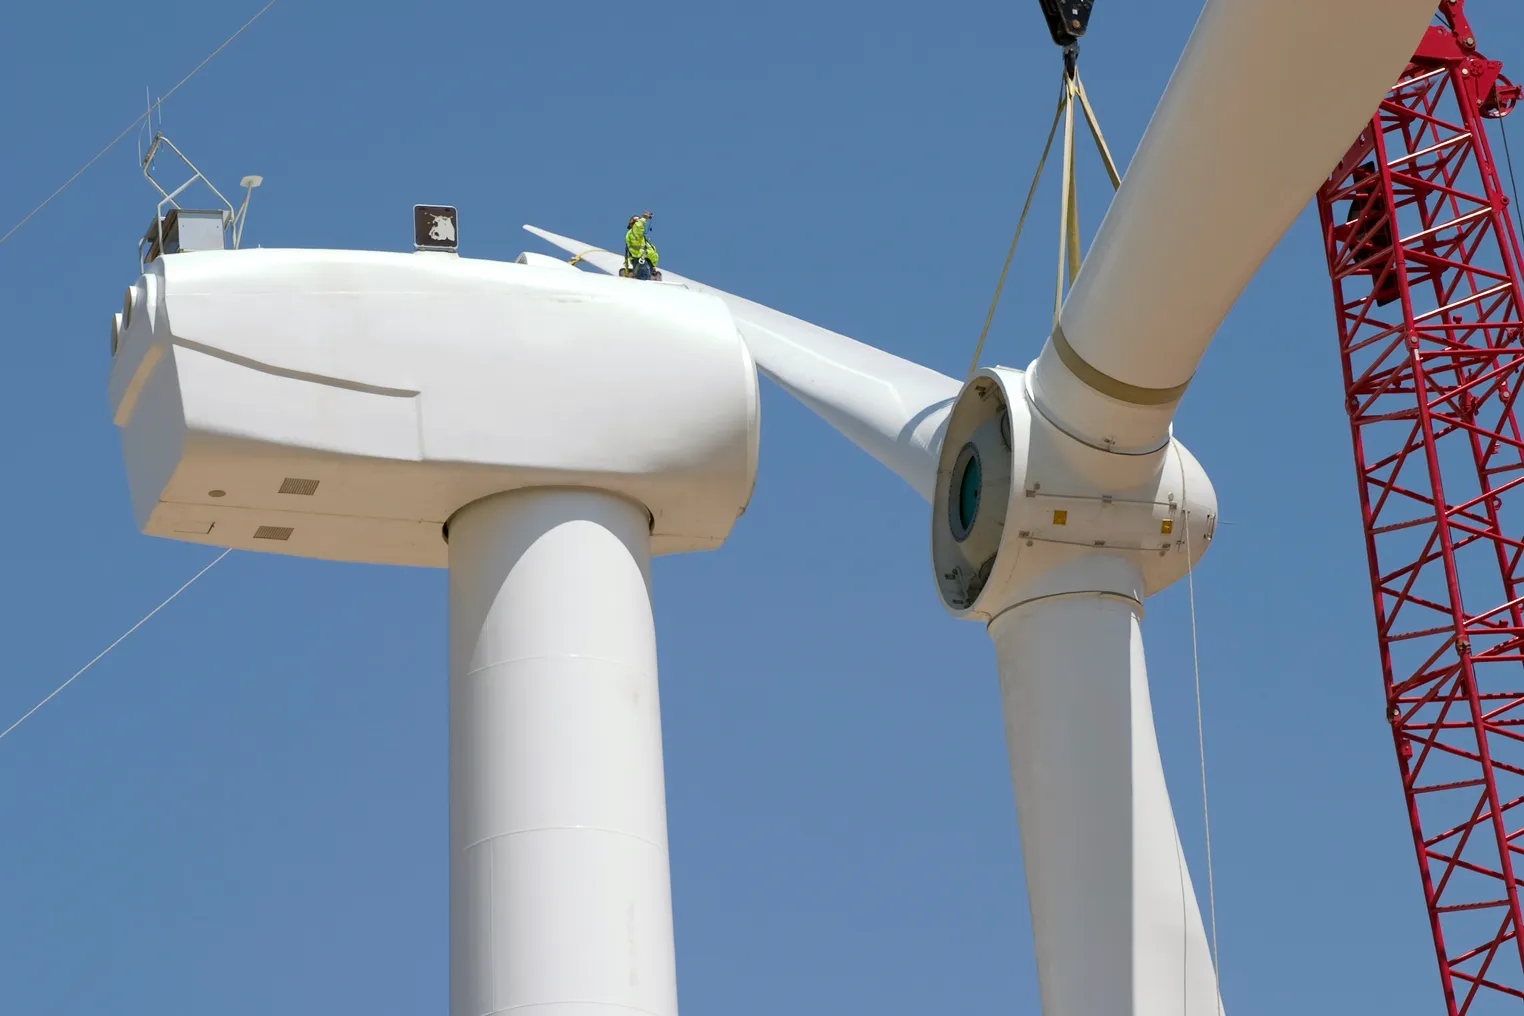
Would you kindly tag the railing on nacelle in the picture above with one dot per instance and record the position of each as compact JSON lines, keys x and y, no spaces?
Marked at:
{"x":169,"y":232}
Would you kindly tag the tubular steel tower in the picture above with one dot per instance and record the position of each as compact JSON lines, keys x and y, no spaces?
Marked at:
{"x":1426,"y":278}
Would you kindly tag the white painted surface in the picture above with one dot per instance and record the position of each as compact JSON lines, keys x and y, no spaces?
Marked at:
{"x":1245,"y":133}
{"x":888,"y":406}
{"x":1124,"y":503}
{"x":409,"y":385}
{"x":1115,"y":920}
{"x":560,"y":898}
{"x":1239,"y":142}
{"x":1241,"y":139}
{"x":1116,"y":923}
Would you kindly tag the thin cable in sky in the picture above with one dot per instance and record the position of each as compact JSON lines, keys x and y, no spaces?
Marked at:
{"x":1518,"y":209}
{"x":120,"y":638}
{"x":132,"y":126}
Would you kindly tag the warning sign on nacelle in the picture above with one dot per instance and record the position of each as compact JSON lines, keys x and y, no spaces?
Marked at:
{"x":434,"y":227}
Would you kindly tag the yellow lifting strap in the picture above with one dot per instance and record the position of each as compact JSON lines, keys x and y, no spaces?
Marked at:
{"x":1071,"y":94}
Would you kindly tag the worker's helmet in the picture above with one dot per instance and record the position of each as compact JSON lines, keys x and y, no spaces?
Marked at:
{"x":633,"y":220}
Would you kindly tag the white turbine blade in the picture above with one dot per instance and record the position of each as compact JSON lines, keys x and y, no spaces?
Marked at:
{"x":889,"y":407}
{"x":1265,"y":99}
{"x":1115,"y":921}
{"x":605,"y":261}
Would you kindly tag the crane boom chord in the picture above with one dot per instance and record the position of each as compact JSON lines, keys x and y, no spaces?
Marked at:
{"x":1425,"y":268}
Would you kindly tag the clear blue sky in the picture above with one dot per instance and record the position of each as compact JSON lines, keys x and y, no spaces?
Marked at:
{"x":242,"y":810}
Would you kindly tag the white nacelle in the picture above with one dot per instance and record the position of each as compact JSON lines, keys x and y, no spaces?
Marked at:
{"x":1023,"y":510}
{"x":343,"y":404}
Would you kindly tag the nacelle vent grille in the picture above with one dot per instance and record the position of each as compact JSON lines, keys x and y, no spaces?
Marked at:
{"x":273,"y":533}
{"x":296,"y":485}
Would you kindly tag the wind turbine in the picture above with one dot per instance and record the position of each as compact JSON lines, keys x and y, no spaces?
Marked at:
{"x":1060,"y":498}
{"x":542,"y":433}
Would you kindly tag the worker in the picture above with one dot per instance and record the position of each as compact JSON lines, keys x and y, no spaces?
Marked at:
{"x":639,"y":253}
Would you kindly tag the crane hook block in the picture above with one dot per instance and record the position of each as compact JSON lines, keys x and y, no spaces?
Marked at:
{"x":1067,"y":19}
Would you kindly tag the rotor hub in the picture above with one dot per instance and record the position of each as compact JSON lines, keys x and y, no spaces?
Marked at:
{"x":1023,"y":510}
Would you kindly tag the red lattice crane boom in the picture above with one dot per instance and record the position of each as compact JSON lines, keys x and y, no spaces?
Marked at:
{"x":1425,"y":267}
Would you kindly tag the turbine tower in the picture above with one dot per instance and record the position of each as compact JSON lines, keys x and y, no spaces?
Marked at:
{"x":1060,"y":498}
{"x":542,"y":433}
